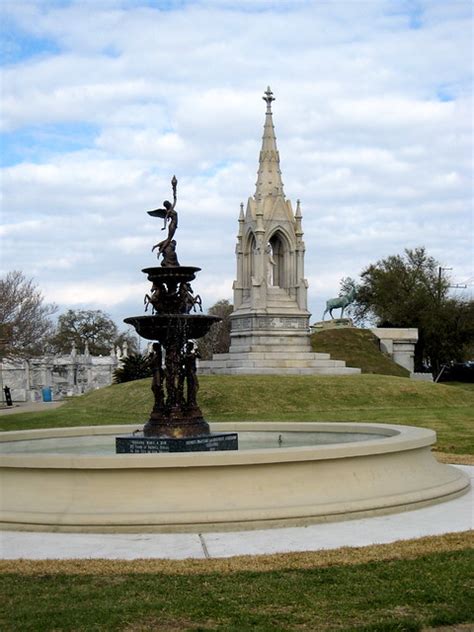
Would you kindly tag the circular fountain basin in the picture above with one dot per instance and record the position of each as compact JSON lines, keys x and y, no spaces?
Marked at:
{"x":69,"y":479}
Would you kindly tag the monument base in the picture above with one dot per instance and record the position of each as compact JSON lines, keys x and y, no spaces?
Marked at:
{"x":140,"y":444}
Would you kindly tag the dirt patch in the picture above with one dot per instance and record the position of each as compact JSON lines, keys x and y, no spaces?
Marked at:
{"x":460,"y":627}
{"x":154,"y":624}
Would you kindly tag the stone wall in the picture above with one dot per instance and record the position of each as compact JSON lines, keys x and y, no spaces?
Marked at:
{"x":399,"y":344}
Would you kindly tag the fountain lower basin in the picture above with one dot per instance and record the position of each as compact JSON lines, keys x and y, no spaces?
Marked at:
{"x":288,"y":476}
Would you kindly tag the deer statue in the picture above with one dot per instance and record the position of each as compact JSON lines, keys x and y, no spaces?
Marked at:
{"x":341,"y":302}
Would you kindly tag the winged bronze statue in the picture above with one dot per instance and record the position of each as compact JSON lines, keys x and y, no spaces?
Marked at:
{"x":168,"y":214}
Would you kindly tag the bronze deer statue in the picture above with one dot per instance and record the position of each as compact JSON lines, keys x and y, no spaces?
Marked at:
{"x":340,"y":302}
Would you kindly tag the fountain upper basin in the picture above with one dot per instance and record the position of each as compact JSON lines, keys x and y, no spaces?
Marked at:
{"x":163,"y":326}
{"x":390,"y":469}
{"x":174,"y":274}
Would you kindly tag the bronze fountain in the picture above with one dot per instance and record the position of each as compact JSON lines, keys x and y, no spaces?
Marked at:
{"x":176,"y":422}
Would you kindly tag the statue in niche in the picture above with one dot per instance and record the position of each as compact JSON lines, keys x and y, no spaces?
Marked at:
{"x":167,"y":247}
{"x":156,"y":363}
{"x":270,"y":263}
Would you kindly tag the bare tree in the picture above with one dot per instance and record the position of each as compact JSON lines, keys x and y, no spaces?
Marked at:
{"x":24,"y":317}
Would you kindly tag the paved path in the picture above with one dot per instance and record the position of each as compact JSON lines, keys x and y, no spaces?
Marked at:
{"x":29,"y":407}
{"x":452,"y":516}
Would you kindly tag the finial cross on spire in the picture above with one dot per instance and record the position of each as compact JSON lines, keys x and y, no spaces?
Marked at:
{"x":269,"y":98}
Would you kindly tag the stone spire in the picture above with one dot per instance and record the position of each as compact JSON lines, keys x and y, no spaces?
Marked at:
{"x":269,"y":175}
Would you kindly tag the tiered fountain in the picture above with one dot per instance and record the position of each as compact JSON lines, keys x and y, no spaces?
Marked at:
{"x":176,"y":423}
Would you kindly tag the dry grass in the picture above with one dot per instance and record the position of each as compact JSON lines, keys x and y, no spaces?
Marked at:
{"x":345,"y":556}
{"x":160,"y":624}
{"x":460,"y":627}
{"x":454,"y":459}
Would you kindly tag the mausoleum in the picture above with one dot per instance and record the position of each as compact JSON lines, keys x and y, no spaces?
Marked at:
{"x":65,"y":374}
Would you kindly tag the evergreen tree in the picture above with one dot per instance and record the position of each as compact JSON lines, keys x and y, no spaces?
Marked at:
{"x":134,"y":367}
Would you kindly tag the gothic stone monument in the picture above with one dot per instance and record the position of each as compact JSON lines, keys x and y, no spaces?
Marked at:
{"x":270,"y":324}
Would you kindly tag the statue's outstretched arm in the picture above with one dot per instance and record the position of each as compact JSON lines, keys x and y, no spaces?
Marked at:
{"x":174,"y":185}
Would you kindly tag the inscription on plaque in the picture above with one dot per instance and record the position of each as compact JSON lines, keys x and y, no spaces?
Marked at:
{"x":136,"y":444}
{"x":280,"y":322}
{"x":241,"y":323}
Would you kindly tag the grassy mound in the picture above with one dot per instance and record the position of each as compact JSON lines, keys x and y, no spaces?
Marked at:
{"x":376,"y":398}
{"x":359,"y":348}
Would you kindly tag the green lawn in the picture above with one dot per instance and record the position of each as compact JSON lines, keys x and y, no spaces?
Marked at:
{"x":387,"y":596}
{"x":446,"y":408}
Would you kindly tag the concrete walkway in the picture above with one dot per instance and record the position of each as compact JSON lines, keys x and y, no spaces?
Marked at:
{"x":452,"y":516}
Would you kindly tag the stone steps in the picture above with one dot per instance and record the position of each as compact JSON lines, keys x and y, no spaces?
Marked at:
{"x":277,"y":301}
{"x":275,"y":355}
{"x":287,"y":350}
{"x":274,"y":363}
{"x":281,"y":371}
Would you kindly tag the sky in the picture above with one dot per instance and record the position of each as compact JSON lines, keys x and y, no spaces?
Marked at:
{"x":104,"y":100}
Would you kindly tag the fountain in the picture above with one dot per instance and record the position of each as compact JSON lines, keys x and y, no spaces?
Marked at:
{"x":180,"y":474}
{"x":176,"y":423}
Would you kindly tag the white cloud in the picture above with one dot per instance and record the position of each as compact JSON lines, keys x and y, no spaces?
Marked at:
{"x":373,"y":119}
{"x":19,"y":228}
{"x":97,"y":295}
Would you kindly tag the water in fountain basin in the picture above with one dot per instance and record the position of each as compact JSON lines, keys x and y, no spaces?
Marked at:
{"x":105,"y":444}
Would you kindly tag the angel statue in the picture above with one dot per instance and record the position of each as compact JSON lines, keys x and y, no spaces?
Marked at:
{"x":169,"y":215}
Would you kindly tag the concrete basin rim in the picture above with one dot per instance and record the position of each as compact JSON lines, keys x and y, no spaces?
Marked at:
{"x":388,"y":438}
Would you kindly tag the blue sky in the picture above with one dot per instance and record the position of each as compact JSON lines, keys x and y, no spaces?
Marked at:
{"x":103,"y":100}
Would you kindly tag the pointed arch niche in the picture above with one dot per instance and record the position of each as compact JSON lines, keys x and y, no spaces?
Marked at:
{"x":281,"y":257}
{"x":249,"y":259}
